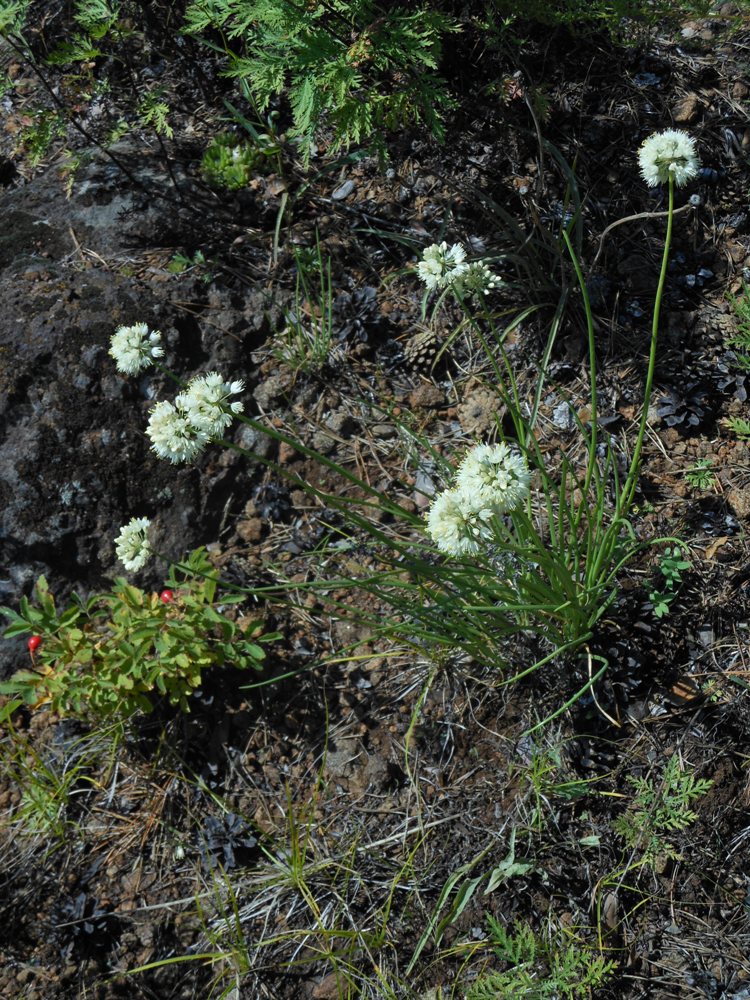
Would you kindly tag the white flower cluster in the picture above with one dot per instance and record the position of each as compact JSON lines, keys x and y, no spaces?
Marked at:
{"x":132,"y":545}
{"x":206,"y":403}
{"x":671,"y":153}
{"x":442,"y":266}
{"x":135,"y":348}
{"x":180,"y":431}
{"x":491,"y":481}
{"x":477,"y":279}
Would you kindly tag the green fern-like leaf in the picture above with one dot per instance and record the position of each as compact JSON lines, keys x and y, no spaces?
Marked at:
{"x":154,"y":111}
{"x":12,"y":15}
{"x":539,"y":967}
{"x":740,"y":427}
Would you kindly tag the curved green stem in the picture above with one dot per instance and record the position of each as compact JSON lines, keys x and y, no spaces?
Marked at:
{"x":631,"y":482}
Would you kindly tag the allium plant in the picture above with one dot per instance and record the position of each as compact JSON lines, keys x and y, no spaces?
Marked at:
{"x":206,"y":403}
{"x":544,"y":561}
{"x":173,"y":435}
{"x":441,"y":265}
{"x":491,"y":481}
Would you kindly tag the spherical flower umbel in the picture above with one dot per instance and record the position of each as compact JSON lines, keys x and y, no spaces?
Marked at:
{"x":441,"y":265}
{"x":671,"y":153}
{"x":457,"y":523}
{"x":135,"y":348}
{"x":206,"y":403}
{"x":132,"y":545}
{"x":496,"y":474}
{"x":173,"y":434}
{"x":477,"y":279}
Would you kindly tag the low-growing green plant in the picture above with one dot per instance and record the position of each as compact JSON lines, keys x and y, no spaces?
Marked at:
{"x":37,"y":138}
{"x":701,"y":476}
{"x":154,"y":111}
{"x":460,"y":888}
{"x":51,"y":779}
{"x":671,"y":566}
{"x":113,"y":654}
{"x":540,"y":966}
{"x":181,"y":262}
{"x":305,"y":341}
{"x":545,"y":781}
{"x":659,"y":808}
{"x":741,"y":339}
{"x":230,"y":162}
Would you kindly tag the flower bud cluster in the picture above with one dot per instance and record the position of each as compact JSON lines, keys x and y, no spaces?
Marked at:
{"x":491,"y":480}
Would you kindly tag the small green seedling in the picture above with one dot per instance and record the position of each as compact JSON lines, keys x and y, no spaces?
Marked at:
{"x":701,"y":476}
{"x":671,"y":566}
{"x":660,"y":808}
{"x":540,"y":967}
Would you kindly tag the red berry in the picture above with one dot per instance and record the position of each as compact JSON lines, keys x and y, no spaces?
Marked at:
{"x":34,"y":643}
{"x":166,"y":596}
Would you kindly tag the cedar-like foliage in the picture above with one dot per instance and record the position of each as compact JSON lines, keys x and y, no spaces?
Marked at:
{"x":348,"y":66}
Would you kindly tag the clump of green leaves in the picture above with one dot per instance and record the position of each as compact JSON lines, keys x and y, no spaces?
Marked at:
{"x":37,"y":137}
{"x":671,"y":566}
{"x":181,"y":262}
{"x":539,"y":967}
{"x":660,"y":808}
{"x":154,"y":111}
{"x":229,"y":163}
{"x":350,"y":65}
{"x":111,"y":655}
{"x":701,"y":475}
{"x":740,"y":342}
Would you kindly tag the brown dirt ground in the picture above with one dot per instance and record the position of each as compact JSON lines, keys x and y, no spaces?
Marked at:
{"x":323,"y":814}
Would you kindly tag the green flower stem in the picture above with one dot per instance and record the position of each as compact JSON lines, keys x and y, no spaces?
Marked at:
{"x":631,"y":482}
{"x":592,"y":362}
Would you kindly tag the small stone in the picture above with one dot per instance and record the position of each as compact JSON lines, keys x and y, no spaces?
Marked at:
{"x":562,"y":416}
{"x":323,"y":442}
{"x":286,"y":453}
{"x":687,"y":109}
{"x":250,"y":530}
{"x":739,"y":502}
{"x":271,"y":390}
{"x":343,"y":191}
{"x":426,"y":395}
{"x":383,"y":430}
{"x":327,"y":988}
{"x":341,"y":423}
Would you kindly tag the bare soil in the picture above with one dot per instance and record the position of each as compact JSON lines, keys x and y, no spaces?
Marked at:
{"x":275,"y":822}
